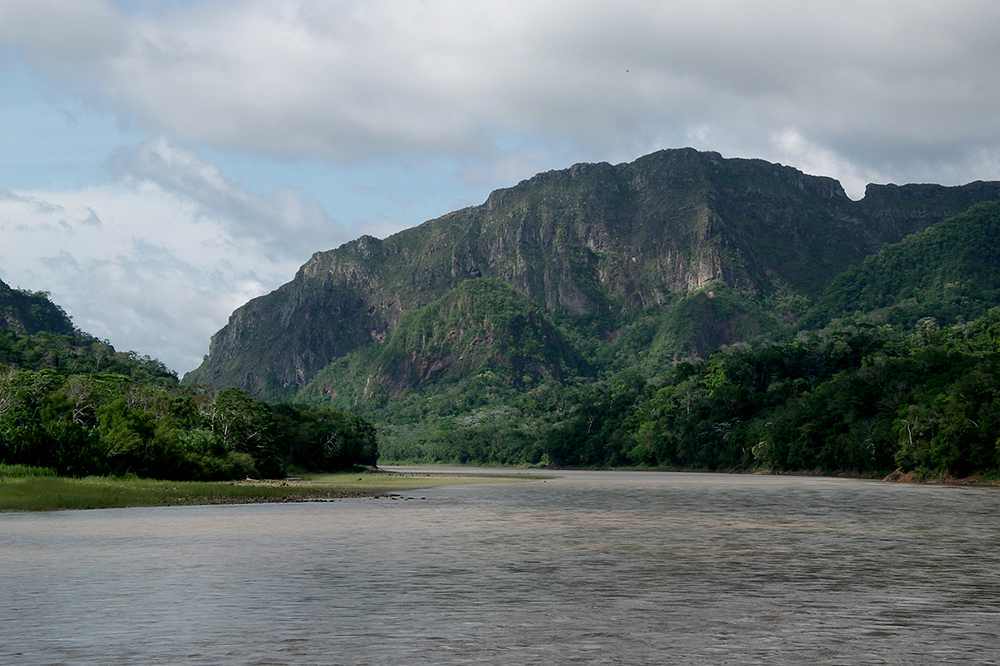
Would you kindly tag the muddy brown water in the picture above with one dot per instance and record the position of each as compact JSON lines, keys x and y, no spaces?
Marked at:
{"x":593,"y":567}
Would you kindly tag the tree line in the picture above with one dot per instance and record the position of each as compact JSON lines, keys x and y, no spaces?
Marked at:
{"x":71,"y":403}
{"x":107,"y":424}
{"x":855,"y":397}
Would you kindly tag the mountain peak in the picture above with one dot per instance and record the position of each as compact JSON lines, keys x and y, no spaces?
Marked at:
{"x":593,"y":247}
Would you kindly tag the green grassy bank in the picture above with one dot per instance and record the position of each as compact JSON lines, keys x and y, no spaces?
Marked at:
{"x":39,"y":492}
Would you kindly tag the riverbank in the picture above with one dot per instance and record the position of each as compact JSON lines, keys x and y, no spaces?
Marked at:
{"x":51,"y":493}
{"x":899,"y":476}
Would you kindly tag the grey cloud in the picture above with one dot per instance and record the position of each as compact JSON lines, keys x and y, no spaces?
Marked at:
{"x":43,"y":228}
{"x":60,"y":262}
{"x":63,"y":36}
{"x":92,"y":220}
{"x":351,"y":78}
{"x":888,"y":85}
{"x":287,"y":222}
{"x":42,"y":207}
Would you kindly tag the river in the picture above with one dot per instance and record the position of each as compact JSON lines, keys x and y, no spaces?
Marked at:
{"x":591,"y":567}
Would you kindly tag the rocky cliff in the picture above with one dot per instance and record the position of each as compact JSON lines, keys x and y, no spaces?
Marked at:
{"x":592,"y":246}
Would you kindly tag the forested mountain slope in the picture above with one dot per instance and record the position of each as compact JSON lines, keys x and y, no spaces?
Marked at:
{"x":31,"y":312}
{"x":673,"y":255}
{"x":682,"y":311}
{"x":950,"y":271}
{"x":898,"y":364}
{"x":70,"y":404}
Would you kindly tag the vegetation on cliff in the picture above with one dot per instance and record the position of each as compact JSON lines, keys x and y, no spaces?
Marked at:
{"x":602,"y":250}
{"x":71,"y":403}
{"x":865,"y":393}
{"x":681,"y":311}
{"x":481,"y":324}
{"x":950,"y":271}
{"x":900,"y":372}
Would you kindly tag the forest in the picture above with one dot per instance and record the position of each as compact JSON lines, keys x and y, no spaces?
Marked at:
{"x":818,"y":345}
{"x":855,"y":397}
{"x":851,"y":397}
{"x":72,"y":404}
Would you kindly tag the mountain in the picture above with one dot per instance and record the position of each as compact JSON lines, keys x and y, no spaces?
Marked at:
{"x":480,"y":324}
{"x":31,"y":312}
{"x":35,"y":333}
{"x":948,"y":271}
{"x":605,"y":267}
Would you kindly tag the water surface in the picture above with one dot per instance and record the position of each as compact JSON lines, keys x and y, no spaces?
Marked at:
{"x":594,"y":567}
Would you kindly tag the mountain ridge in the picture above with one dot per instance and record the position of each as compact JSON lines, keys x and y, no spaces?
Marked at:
{"x":593,"y":246}
{"x":32,"y":312}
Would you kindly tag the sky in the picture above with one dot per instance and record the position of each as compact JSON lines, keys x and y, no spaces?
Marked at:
{"x":163,"y":162}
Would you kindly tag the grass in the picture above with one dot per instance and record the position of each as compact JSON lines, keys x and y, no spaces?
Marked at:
{"x":24,"y":470}
{"x":51,"y":493}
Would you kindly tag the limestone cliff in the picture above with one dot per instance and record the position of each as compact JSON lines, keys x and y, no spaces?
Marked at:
{"x":592,"y":246}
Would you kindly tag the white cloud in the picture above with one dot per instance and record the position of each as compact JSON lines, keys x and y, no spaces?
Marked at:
{"x":793,"y":148}
{"x":352,"y":79}
{"x":485,"y":93}
{"x":151,"y":267}
{"x":288,"y":221}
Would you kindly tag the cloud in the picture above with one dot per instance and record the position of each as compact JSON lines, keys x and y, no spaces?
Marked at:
{"x":415,"y":106}
{"x":63,"y":36}
{"x":157,"y":261}
{"x":876,"y":82}
{"x":797,"y":150}
{"x":288,"y":221}
{"x":92,"y":219}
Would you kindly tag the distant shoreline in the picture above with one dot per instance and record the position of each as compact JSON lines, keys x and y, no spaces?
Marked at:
{"x":59,"y":493}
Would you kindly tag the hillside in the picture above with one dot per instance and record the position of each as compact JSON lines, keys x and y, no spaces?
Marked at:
{"x":949,"y":271}
{"x":897,"y":365}
{"x":482,"y":324}
{"x":673,"y":255}
{"x":70,"y":404}
{"x":31,"y":312}
{"x":36,"y":334}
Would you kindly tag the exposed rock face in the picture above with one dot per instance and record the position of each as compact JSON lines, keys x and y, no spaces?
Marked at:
{"x":481,"y":325}
{"x":594,"y":243}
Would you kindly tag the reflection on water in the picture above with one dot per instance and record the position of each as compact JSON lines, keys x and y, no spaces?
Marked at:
{"x":595,"y":567}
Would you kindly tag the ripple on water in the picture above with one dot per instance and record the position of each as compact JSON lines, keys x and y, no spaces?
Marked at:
{"x":591,"y":567}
